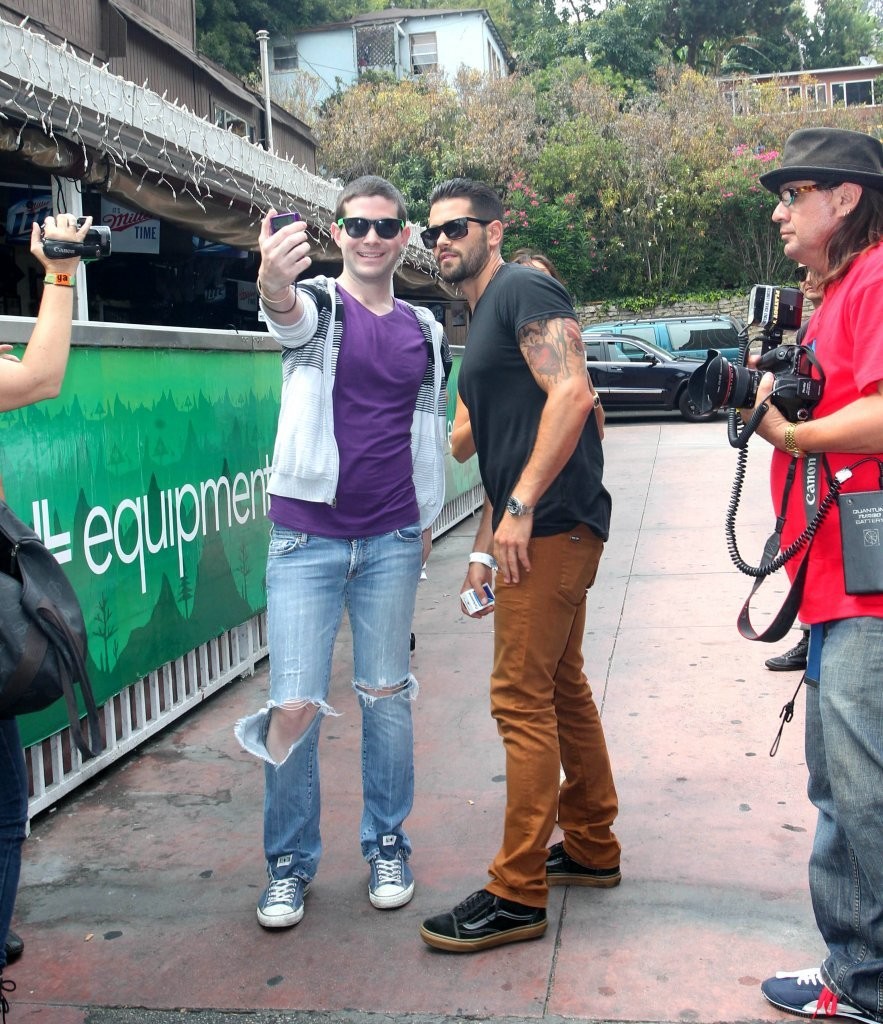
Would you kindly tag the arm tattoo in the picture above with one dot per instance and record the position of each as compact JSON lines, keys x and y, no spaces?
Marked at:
{"x":549,"y":348}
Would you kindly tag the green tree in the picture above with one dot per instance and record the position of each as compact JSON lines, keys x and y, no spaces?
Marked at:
{"x":541,"y":37}
{"x":225,"y":30}
{"x":841,"y":33}
{"x":626,"y":38}
{"x":633,"y":36}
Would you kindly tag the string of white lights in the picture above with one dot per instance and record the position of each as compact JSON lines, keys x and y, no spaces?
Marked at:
{"x":86,"y":109}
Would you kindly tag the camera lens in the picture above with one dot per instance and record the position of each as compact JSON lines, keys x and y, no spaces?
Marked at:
{"x":717,"y":384}
{"x":745,"y":384}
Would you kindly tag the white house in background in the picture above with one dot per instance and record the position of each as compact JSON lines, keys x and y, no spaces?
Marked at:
{"x":399,"y":40}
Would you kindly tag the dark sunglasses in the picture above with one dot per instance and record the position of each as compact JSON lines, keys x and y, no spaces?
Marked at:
{"x":800,"y":273}
{"x":454,"y":229}
{"x":358,"y":227}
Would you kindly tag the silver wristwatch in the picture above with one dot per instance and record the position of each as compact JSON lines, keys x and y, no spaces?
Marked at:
{"x":517,"y":508}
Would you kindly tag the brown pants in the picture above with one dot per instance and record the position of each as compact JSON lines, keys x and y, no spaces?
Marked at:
{"x":545,"y":713}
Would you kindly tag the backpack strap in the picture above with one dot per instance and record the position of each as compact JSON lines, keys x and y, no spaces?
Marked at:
{"x":73,"y":669}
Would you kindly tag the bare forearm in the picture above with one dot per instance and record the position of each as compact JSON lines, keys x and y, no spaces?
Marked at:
{"x":40,"y":373}
{"x":462,"y":443}
{"x":561,"y":424}
{"x":857,"y":427}
{"x":484,"y":538}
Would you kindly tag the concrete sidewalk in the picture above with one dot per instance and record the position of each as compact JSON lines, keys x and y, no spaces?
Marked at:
{"x":140,"y":891}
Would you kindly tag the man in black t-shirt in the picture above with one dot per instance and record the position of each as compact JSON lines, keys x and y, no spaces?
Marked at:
{"x":527,"y":413}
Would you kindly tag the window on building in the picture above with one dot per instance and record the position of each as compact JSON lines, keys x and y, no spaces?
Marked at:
{"x":376,"y":48}
{"x":853,"y":94}
{"x":743,"y":100}
{"x":792,"y":95}
{"x":494,"y":64}
{"x":860,"y":94}
{"x":424,"y":52}
{"x":817,"y":95}
{"x":234,"y":123}
{"x":285,"y":57}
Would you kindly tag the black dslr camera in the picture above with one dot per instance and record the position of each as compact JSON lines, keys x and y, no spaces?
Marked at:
{"x":94,"y":246}
{"x":718,"y":384}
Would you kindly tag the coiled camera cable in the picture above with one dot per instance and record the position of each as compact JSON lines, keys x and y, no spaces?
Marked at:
{"x":774,"y":559}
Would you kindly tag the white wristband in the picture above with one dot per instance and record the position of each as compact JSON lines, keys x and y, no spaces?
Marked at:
{"x":484,"y":558}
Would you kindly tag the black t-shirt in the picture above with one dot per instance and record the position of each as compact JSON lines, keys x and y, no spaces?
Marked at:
{"x":505,"y":404}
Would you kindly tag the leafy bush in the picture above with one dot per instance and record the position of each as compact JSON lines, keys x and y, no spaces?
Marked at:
{"x":746,"y":247}
{"x":556,"y":227}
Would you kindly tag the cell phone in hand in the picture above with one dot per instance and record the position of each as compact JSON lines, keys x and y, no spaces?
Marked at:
{"x":282,"y":220}
{"x":472,"y":603}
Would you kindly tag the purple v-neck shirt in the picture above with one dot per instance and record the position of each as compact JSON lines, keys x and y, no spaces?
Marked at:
{"x":381,"y":364}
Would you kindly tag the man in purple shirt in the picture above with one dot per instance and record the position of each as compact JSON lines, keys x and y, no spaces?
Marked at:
{"x":357,"y":481}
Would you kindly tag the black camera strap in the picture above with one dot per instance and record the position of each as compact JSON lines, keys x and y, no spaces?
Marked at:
{"x":788,"y":612}
{"x":774,"y":558}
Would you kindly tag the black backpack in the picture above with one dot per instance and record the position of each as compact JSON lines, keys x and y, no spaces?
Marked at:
{"x":42,"y":634}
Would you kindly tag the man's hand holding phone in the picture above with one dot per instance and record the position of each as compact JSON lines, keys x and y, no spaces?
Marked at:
{"x":285,"y":256}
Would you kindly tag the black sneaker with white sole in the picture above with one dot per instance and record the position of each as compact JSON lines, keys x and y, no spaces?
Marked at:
{"x":562,"y":869}
{"x":483,"y":921}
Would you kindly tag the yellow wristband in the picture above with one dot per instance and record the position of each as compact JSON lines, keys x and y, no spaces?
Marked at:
{"x":60,"y":279}
{"x":791,"y":441}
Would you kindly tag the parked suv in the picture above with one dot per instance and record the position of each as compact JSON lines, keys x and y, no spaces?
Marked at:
{"x":688,"y":337}
{"x":631,"y":374}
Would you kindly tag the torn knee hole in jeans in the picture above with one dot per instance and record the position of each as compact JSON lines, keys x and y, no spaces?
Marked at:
{"x":369,"y":694}
{"x":293,"y":728}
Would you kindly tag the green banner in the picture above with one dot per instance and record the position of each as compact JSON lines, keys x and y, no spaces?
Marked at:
{"x":147,"y":478}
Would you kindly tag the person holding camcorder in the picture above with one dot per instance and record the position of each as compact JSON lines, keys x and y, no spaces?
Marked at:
{"x":36,"y":376}
{"x":830,"y":217}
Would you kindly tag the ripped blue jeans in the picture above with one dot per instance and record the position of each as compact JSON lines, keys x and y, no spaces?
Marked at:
{"x":310,"y":581}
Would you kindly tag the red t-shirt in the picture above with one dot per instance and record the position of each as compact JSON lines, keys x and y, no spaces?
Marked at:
{"x":846,"y":332}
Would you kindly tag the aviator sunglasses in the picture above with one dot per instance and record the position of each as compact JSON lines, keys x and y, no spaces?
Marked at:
{"x":358,"y":227}
{"x":454,"y":229}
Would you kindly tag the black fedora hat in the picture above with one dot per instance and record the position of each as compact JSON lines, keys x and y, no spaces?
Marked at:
{"x":829,"y":155}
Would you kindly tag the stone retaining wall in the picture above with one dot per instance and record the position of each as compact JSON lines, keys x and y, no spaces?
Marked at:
{"x":603,"y":312}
